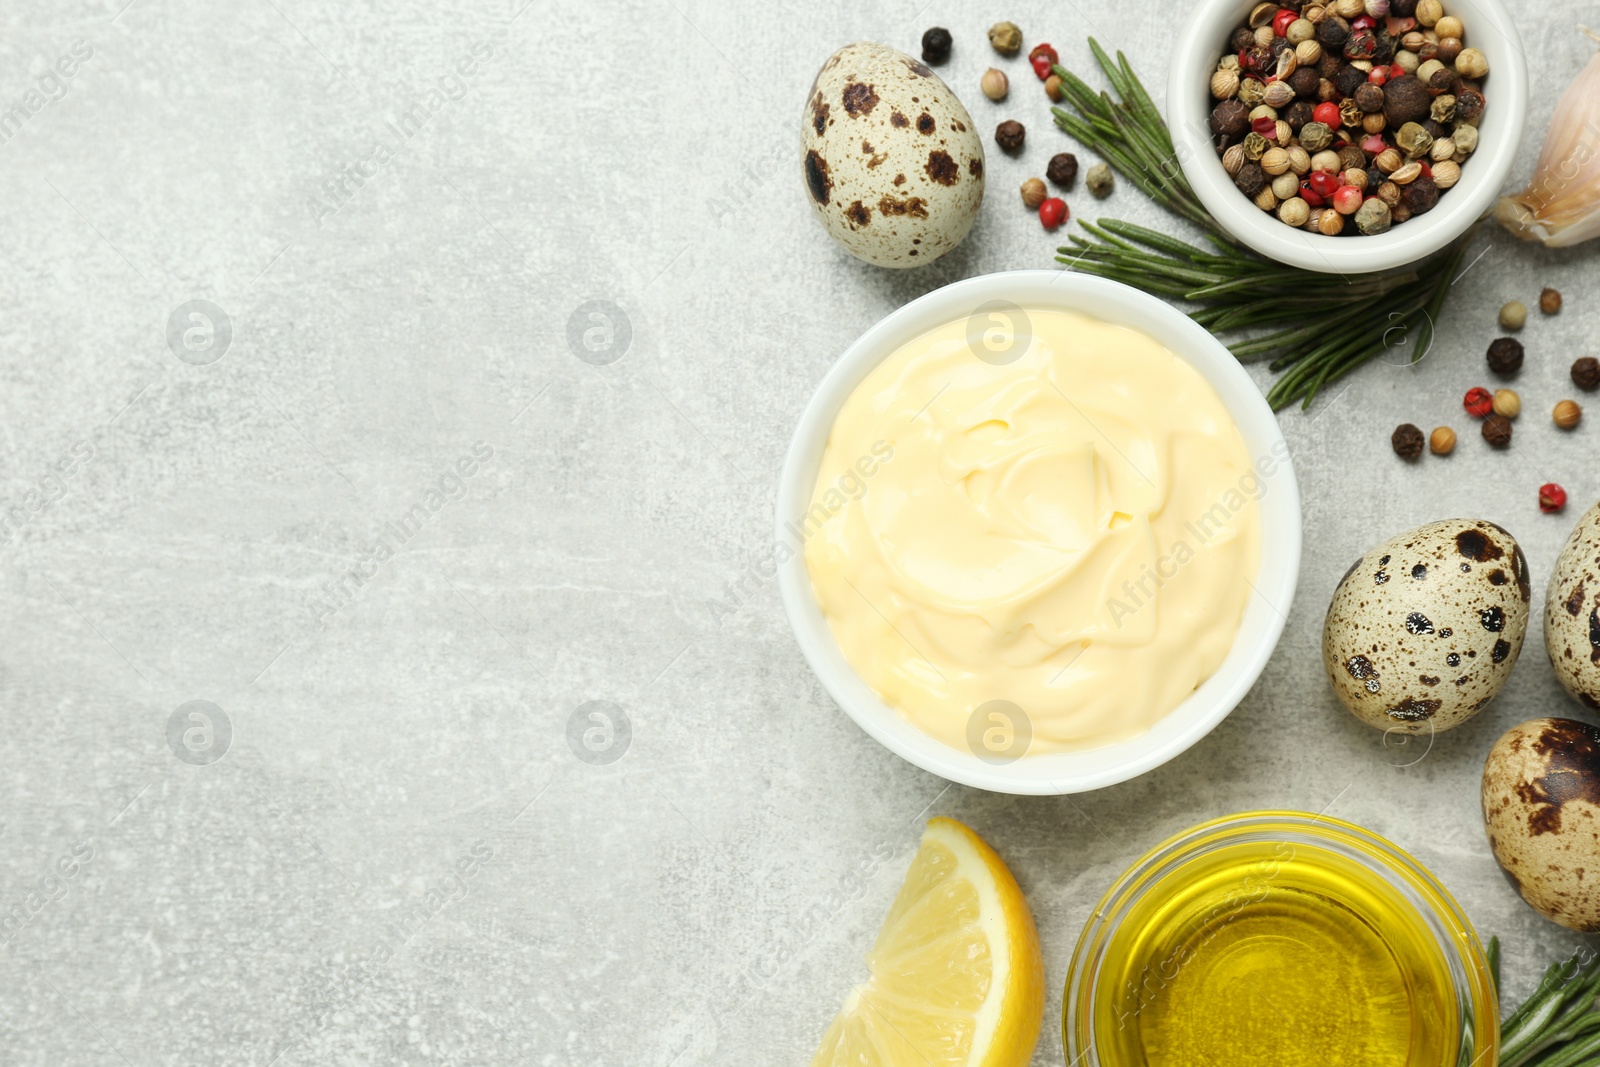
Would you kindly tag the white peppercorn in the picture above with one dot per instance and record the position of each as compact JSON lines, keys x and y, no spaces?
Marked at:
{"x":1472,"y":63}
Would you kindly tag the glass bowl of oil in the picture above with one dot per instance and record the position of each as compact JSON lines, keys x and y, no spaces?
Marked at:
{"x":1284,"y":939}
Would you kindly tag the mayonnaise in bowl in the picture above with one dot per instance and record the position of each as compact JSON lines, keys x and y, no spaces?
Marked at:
{"x":1070,"y":528}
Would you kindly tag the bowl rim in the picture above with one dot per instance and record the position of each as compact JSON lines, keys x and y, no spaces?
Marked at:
{"x":1469,"y":965}
{"x":1490,"y":28}
{"x":1265,"y":614}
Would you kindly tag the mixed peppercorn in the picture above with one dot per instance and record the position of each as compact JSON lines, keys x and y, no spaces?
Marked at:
{"x":1010,"y":135}
{"x":1348,"y":116}
{"x":1499,"y":408}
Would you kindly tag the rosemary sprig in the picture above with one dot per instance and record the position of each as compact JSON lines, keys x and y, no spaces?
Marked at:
{"x":1559,"y":1025}
{"x":1315,"y":331}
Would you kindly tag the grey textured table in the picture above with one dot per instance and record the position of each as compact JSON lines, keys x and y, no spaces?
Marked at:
{"x":397,"y":534}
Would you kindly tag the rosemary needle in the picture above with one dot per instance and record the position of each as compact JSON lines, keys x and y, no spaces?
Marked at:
{"x":1311,"y":328}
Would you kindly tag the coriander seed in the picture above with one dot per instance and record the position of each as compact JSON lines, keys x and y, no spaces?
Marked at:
{"x":1063,"y":169}
{"x":1009,"y":135}
{"x":1505,"y":356}
{"x":1550,"y":301}
{"x":1225,"y":84}
{"x":995,"y":85}
{"x":1566,"y":414}
{"x":1507,"y":403}
{"x":1586,"y":373}
{"x":1099,"y":180}
{"x":1406,"y":441}
{"x":1513,"y":315}
{"x":1006,"y":38}
{"x":1442,"y":441}
{"x":1497,"y":430}
{"x":936,"y":46}
{"x":1033,"y":193}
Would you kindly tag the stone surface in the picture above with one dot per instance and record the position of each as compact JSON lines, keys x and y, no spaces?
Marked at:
{"x":379,"y":844}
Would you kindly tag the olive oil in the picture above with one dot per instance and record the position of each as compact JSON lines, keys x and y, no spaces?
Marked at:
{"x":1264,"y":953}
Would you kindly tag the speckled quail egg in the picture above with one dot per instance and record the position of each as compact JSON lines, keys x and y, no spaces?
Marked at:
{"x":1424,"y":629}
{"x":893,"y":165}
{"x":1541,"y":808}
{"x":1572,"y":612}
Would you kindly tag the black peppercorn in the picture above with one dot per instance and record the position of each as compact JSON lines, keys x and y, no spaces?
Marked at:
{"x":1063,"y":169}
{"x":1250,"y":179}
{"x":1230,"y":119}
{"x":1505,"y":356}
{"x":1586,"y":373}
{"x":1402,"y":9}
{"x":1436,"y":130}
{"x":1405,"y":99}
{"x":1333,"y":32}
{"x":1010,"y":134}
{"x":1243,"y":40}
{"x":1444,"y":81}
{"x":1329,"y":64}
{"x":1299,"y":113}
{"x":1351,"y":157}
{"x":1497,"y":430}
{"x":1369,"y":97}
{"x":1420,"y":196}
{"x":1349,"y":79}
{"x":1407,"y":441}
{"x":1304,"y":81}
{"x":1386,"y":49}
{"x":936,"y":46}
{"x":1469,"y":105}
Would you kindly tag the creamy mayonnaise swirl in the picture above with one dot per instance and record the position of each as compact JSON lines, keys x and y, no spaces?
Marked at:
{"x":1074,"y":531}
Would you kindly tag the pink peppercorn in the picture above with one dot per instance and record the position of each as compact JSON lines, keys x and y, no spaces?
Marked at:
{"x":1347,"y":200}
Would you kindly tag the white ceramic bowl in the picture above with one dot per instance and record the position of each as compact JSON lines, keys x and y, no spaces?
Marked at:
{"x":1264,"y":617}
{"x":1489,"y":27}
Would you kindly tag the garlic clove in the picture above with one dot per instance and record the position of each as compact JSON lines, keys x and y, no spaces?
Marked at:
{"x":1561,"y":205}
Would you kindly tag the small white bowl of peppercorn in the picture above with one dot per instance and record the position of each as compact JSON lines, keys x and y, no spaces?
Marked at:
{"x":1348,"y":136}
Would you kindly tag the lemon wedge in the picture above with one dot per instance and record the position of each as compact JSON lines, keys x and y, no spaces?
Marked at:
{"x":956,"y":975}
